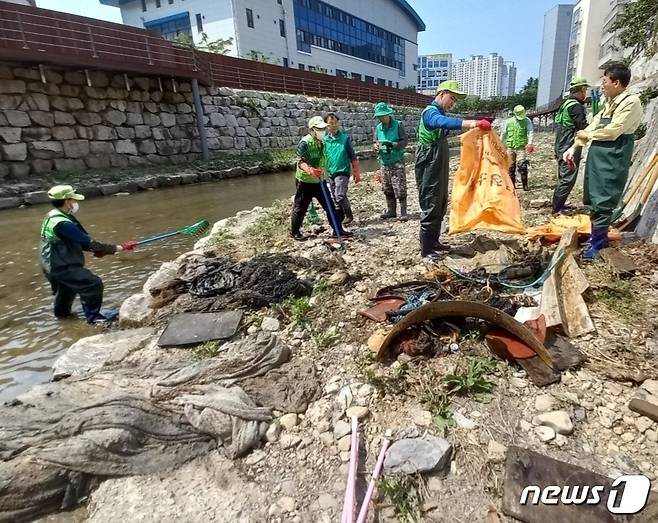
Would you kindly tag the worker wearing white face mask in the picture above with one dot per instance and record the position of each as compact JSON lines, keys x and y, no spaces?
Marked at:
{"x":63,"y":240}
{"x":310,"y":174}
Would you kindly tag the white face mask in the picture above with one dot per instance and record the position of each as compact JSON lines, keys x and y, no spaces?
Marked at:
{"x":320,"y":134}
{"x":75,"y":207}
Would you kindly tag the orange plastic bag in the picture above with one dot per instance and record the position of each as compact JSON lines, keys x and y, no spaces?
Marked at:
{"x":553,"y":230}
{"x":483,"y":196}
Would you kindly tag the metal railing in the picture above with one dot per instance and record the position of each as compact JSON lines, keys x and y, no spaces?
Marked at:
{"x":29,"y":34}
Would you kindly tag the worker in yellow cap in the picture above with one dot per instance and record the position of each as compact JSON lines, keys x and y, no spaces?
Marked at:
{"x":518,"y":133}
{"x":63,"y":242}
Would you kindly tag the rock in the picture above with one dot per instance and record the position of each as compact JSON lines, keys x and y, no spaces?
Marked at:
{"x":10,"y":202}
{"x":274,"y":510}
{"x":10,"y":134}
{"x":14,"y":152}
{"x":92,"y":353}
{"x":651,"y":386}
{"x":289,"y":441}
{"x":422,"y":418}
{"x":412,"y":455}
{"x":342,"y":428}
{"x":255,"y":457}
{"x":287,"y":504}
{"x":35,"y":197}
{"x":76,"y":148}
{"x":561,"y":440}
{"x":345,"y":443}
{"x":17,"y":118}
{"x":544,"y":403}
{"x":375,"y":341}
{"x":545,"y":434}
{"x":558,"y":420}
{"x":289,"y":421}
{"x":651,"y":435}
{"x":134,"y":311}
{"x":252,"y":329}
{"x":643,"y":424}
{"x":462,"y":421}
{"x":627,"y":437}
{"x":496,"y":452}
{"x":125,"y":147}
{"x":338,"y":278}
{"x":344,"y":456}
{"x":327,"y":438}
{"x":270,"y":325}
{"x":519,"y":383}
{"x":273,"y":432}
{"x":327,"y":502}
{"x":358,"y":412}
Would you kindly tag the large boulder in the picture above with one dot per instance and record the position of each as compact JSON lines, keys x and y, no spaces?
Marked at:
{"x":135,"y":311}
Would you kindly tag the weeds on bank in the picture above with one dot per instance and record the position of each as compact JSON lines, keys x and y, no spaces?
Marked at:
{"x":621,"y":296}
{"x":296,"y":310}
{"x":206,"y":350}
{"x":271,"y":225}
{"x":320,"y":286}
{"x":326,"y":338}
{"x":404,"y":492}
{"x":221,"y":240}
{"x":472,"y":380}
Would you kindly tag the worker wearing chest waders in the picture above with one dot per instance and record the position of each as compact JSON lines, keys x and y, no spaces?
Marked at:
{"x":310,"y":176}
{"x":518,"y":134}
{"x":608,"y":160}
{"x":390,"y":142}
{"x":432,"y":163}
{"x":568,"y":121}
{"x":63,"y":242}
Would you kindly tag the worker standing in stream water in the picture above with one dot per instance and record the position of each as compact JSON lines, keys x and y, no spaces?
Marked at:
{"x":517,"y":134}
{"x":569,"y":120}
{"x":63,"y":242}
{"x":433,"y":163}
{"x":390,"y":142}
{"x":609,"y":158}
{"x":310,"y":173}
{"x":341,"y":163}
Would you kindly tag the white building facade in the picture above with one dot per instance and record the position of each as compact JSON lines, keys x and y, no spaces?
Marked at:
{"x":554,"y":53}
{"x":432,"y":70}
{"x":485,"y":76}
{"x":585,"y":40}
{"x":611,"y":49}
{"x":374,"y":41}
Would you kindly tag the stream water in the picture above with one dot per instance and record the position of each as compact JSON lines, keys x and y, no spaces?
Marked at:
{"x":31,"y":338}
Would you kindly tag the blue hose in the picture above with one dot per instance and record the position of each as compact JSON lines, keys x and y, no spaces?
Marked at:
{"x":332,"y":216}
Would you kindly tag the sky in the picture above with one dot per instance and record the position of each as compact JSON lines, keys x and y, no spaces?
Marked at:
{"x":511,"y":28}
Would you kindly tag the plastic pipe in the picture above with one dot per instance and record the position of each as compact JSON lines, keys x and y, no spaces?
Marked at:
{"x":363,"y":513}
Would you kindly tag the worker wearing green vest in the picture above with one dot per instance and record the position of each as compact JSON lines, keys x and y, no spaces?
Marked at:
{"x":62,"y":246}
{"x":390,"y":141}
{"x":310,"y":173}
{"x":611,"y":146}
{"x":568,"y":121}
{"x":517,"y":135}
{"x":432,"y":163}
{"x":341,"y":163}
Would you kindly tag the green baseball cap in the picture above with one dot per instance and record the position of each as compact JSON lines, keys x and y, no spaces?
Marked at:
{"x":519,"y":112}
{"x":383,"y":109}
{"x":64,"y":192}
{"x":578,"y":82}
{"x":452,"y":86}
{"x":317,"y":123}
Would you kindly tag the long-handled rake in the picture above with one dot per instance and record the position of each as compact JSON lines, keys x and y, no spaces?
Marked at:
{"x":195,"y":229}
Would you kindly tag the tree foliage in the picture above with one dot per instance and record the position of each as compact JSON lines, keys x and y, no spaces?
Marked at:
{"x":638,"y":27}
{"x":257,"y":56}
{"x":527,"y":97}
{"x":219,"y":46}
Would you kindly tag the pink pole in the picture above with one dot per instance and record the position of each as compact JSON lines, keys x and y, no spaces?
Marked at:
{"x":350,"y":489}
{"x":363,"y":513}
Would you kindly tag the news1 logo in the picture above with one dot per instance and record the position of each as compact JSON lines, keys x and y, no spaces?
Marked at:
{"x":627,"y":494}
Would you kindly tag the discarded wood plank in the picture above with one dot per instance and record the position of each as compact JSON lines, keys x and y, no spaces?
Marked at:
{"x":645,"y":408}
{"x":620,"y":263}
{"x":191,"y":328}
{"x":524,"y":468}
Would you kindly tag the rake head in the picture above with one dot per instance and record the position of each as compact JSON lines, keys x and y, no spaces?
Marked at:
{"x":196,"y":229}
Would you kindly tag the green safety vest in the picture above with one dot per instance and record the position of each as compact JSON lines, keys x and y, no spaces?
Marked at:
{"x":337,"y":159}
{"x":424,"y":135}
{"x":392,"y":134}
{"x":563,"y":117}
{"x":56,"y":253}
{"x":316,"y":158}
{"x":517,"y":133}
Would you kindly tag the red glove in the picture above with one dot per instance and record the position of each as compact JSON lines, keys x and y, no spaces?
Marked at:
{"x":378,"y":177}
{"x":317,"y":172}
{"x":530,"y":148}
{"x":356,"y":171}
{"x":129,"y":246}
{"x":485,"y":125}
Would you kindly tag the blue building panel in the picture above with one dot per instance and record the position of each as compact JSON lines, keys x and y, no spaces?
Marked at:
{"x":171,"y":26}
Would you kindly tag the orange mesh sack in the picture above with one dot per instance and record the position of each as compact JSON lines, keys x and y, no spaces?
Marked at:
{"x":483,"y":196}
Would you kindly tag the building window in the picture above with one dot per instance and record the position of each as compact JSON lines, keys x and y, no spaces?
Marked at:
{"x":397,"y":85}
{"x":282,"y":28}
{"x":390,"y":83}
{"x":280,"y":2}
{"x":171,"y":2}
{"x":172,"y":26}
{"x":285,"y":62}
{"x":199,"y":23}
{"x":311,"y":68}
{"x":381,"y":81}
{"x":370,"y":80}
{"x":250,"y":18}
{"x":341,"y":74}
{"x":356,"y":76}
{"x":157,"y":3}
{"x":323,"y":25}
{"x":143,"y":6}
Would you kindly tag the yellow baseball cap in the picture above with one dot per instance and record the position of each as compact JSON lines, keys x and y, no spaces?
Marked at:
{"x":64,"y":192}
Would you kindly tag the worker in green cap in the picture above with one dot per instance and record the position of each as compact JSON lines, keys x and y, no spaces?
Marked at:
{"x":310,"y":181}
{"x":63,"y":242}
{"x":568,"y":121}
{"x":432,"y":163}
{"x":390,"y":141}
{"x":517,"y":135}
{"x":611,"y":135}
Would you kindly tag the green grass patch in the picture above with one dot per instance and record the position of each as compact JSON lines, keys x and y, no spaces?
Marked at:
{"x":404,"y":493}
{"x":472,"y":380}
{"x":206,"y":350}
{"x":296,"y":310}
{"x":273,"y":225}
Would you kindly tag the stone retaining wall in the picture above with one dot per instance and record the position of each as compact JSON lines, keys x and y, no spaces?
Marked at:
{"x":74,"y":122}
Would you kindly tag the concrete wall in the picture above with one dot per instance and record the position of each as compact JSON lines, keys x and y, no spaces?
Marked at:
{"x":67,"y":125}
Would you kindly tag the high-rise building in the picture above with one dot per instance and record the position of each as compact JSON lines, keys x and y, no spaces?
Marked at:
{"x":432,"y":70}
{"x":554,"y":53}
{"x":611,"y":48}
{"x":371,"y":40}
{"x":485,"y":77}
{"x":585,"y":40}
